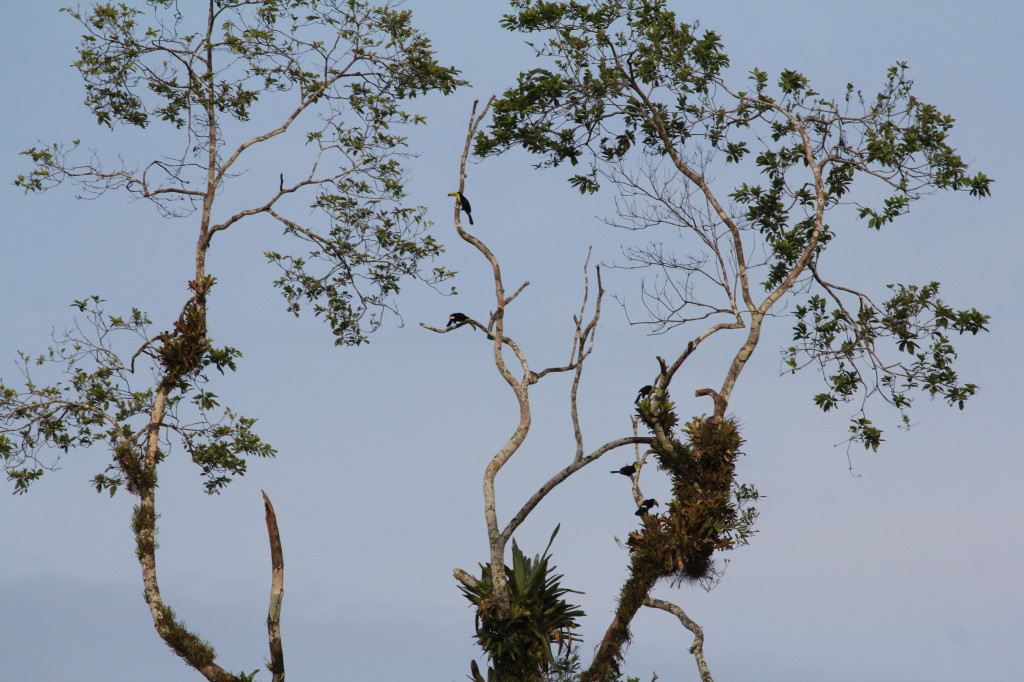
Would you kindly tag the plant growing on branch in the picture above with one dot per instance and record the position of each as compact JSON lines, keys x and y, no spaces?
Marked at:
{"x":648,"y":104}
{"x":500,"y":605}
{"x":519,"y":645}
{"x":704,"y":515}
{"x":320,"y":82}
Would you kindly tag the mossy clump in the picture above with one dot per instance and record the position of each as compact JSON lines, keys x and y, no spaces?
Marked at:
{"x":704,"y":513}
{"x":197,"y":652}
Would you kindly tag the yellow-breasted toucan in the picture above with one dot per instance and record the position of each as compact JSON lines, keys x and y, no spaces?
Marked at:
{"x":464,"y":204}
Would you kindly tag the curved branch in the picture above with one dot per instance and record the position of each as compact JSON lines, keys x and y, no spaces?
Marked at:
{"x":184,"y":643}
{"x":697,"y":648}
{"x":495,"y":539}
{"x":474,"y":123}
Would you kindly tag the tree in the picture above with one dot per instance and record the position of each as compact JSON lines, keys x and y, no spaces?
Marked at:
{"x":521,"y":611}
{"x":680,"y":446}
{"x":332,"y":78}
{"x":648,"y":104}
{"x":506,"y":598}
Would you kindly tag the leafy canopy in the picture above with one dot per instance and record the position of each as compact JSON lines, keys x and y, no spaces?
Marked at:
{"x":765,"y":171}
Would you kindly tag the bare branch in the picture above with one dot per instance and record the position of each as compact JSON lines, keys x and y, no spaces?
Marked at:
{"x":579,"y":341}
{"x":697,"y":648}
{"x":565,"y":473}
{"x":495,"y":539}
{"x":276,"y":665}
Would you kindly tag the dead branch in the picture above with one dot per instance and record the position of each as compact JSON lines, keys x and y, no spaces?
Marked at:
{"x":276,"y":665}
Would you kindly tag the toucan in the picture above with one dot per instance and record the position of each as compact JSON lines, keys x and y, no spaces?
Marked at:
{"x":456,"y":318}
{"x":644,"y":392}
{"x":464,"y":204}
{"x":627,"y":470}
{"x":645,"y":507}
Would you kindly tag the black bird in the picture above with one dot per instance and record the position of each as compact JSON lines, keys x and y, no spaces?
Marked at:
{"x":464,"y":204}
{"x":645,"y":507}
{"x":644,"y":392}
{"x":456,"y":318}
{"x":628,"y":470}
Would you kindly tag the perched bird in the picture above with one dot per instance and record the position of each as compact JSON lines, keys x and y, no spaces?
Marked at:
{"x":456,"y":318}
{"x":464,"y":204}
{"x":644,"y":392}
{"x":645,"y":507}
{"x":628,"y":470}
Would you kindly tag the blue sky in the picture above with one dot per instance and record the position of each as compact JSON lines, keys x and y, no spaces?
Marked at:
{"x":908,"y":571}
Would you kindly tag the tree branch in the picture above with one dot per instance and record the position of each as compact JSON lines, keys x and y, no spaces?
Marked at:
{"x":565,"y":473}
{"x":697,"y":648}
{"x":276,"y":665}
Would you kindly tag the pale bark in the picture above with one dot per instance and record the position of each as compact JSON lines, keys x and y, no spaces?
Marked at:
{"x":582,"y":346}
{"x":697,"y":648}
{"x":276,"y":664}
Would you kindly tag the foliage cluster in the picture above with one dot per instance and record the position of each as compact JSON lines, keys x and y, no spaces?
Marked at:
{"x":99,"y":401}
{"x":653,"y":105}
{"x":519,"y":646}
{"x":336,"y":73}
{"x":708,"y":511}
